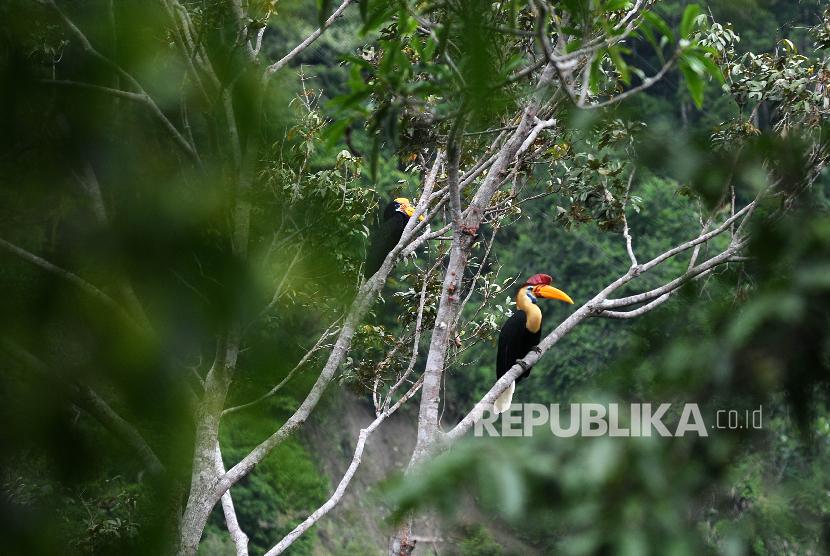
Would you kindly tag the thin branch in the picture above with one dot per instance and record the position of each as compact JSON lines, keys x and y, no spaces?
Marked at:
{"x":696,"y":251}
{"x":240,"y":539}
{"x":534,"y":133}
{"x":524,"y":72}
{"x":416,"y":342}
{"x":629,"y":247}
{"x":135,"y":97}
{"x":627,"y":24}
{"x":478,"y":273}
{"x":192,"y":49}
{"x":453,"y":160}
{"x":314,"y":349}
{"x":639,"y":310}
{"x":489,"y":131}
{"x":698,"y":240}
{"x":86,"y":398}
{"x":722,"y":258}
{"x":93,"y":189}
{"x":76,"y":280}
{"x":279,"y":64}
{"x":280,"y":287}
{"x":87,"y":46}
{"x":423,"y":238}
{"x":647,"y":83}
{"x":333,"y":500}
{"x":242,"y":26}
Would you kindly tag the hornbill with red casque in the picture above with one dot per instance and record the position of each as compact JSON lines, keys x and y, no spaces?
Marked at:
{"x":523,"y":330}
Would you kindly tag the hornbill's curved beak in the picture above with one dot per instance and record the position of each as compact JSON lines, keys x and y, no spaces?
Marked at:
{"x":410,"y":210}
{"x":549,"y":292}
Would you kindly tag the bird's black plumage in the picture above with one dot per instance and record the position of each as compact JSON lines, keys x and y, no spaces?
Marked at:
{"x":515,"y":341}
{"x":390,"y":210}
{"x":384,"y":238}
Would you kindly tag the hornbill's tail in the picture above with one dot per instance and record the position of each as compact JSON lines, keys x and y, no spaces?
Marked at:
{"x":502,"y":403}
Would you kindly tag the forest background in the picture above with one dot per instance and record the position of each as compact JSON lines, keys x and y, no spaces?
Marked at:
{"x":70,"y":486}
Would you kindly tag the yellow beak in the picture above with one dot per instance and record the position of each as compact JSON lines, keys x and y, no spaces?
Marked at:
{"x":410,"y":210}
{"x":549,"y":292}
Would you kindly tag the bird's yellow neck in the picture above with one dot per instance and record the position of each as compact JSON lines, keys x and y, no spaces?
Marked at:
{"x":533,"y":314}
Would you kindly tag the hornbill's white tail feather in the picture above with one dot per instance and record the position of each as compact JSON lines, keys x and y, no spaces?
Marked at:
{"x":502,"y":403}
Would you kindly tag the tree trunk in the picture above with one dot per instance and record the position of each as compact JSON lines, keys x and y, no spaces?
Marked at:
{"x":465,"y":228}
{"x":201,"y":499}
{"x":402,"y":543}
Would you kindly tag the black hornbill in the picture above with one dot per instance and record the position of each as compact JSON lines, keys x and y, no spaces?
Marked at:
{"x":523,"y":330}
{"x":386,"y":236}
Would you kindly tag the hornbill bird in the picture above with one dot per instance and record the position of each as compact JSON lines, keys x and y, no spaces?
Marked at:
{"x":386,"y":236}
{"x":522,"y":331}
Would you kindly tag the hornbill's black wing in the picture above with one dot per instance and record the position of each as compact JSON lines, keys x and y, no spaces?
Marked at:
{"x":384,"y":238}
{"x":515,"y":341}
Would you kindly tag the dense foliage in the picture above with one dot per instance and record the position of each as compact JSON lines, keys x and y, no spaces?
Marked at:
{"x":91,"y":182}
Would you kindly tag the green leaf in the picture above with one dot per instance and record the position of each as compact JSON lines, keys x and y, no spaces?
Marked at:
{"x":377,"y":17}
{"x":333,"y":133}
{"x":709,"y":65}
{"x":616,"y":5}
{"x":429,"y":49}
{"x":323,"y":10}
{"x":350,"y":100}
{"x":357,"y":61}
{"x":406,"y":25}
{"x":657,"y":22}
{"x":374,"y":158}
{"x":688,"y":22}
{"x":615,"y":52}
{"x":694,"y":82}
{"x":595,"y":74}
{"x":789,"y":46}
{"x":696,"y":65}
{"x":573,"y":44}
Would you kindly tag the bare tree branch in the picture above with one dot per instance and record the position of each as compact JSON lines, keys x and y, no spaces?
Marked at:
{"x":281,"y":286}
{"x":76,"y":280}
{"x":314,"y":349}
{"x":279,"y":64}
{"x":453,"y":160}
{"x":93,"y":188}
{"x":86,"y":398}
{"x":135,"y":97}
{"x":146,"y":99}
{"x":698,"y":240}
{"x":638,"y":311}
{"x":240,"y":539}
{"x":629,"y":247}
{"x":647,"y":83}
{"x":416,"y":342}
{"x":722,"y":258}
{"x":289,"y":539}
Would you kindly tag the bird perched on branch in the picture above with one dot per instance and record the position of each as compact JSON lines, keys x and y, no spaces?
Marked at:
{"x":522,"y":331}
{"x":386,"y":236}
